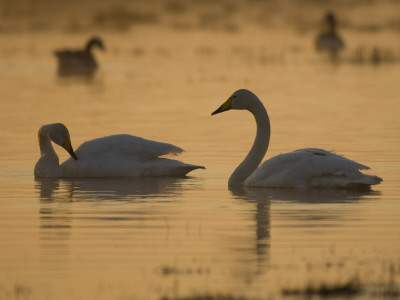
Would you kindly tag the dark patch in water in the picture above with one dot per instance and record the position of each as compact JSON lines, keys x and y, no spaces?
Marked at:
{"x":206,"y":297}
{"x":349,"y":288}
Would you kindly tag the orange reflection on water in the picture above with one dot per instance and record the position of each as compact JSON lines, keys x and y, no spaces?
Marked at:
{"x":147,"y":238}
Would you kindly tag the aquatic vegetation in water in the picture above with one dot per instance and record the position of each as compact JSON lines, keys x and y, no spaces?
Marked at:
{"x":206,"y":297}
{"x":375,"y":55}
{"x":176,"y":6}
{"x":390,"y":287}
{"x":348,"y":288}
{"x":169,"y":270}
{"x":122,"y":18}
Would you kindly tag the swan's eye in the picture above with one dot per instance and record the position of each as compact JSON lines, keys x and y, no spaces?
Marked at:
{"x":234,"y":96}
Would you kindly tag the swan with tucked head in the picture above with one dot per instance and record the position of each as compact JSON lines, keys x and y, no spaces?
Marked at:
{"x":304,"y":168}
{"x":121,"y":155}
{"x":48,"y":164}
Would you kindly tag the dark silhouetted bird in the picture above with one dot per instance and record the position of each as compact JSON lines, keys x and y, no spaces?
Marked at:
{"x":328,"y":40}
{"x":79,"y":62}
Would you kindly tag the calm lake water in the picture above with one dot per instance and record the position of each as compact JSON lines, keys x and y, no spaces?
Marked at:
{"x":179,"y":237}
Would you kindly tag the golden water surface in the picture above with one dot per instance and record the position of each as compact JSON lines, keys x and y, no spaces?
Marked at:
{"x":178,"y":237}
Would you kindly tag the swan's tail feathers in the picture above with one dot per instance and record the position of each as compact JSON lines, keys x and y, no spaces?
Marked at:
{"x":374,"y":179}
{"x":365,"y":182}
{"x":184,"y":170}
{"x":352,"y":181}
{"x":174,"y":150}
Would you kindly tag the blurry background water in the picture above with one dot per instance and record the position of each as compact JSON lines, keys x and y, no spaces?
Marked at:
{"x":167,"y":66}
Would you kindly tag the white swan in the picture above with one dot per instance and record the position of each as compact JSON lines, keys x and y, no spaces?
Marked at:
{"x":120,"y":155}
{"x":305,"y":168}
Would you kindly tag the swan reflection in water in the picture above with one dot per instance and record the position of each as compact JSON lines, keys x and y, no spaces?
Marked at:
{"x":262,"y":204}
{"x":262,"y":198}
{"x":91,"y":189}
{"x":56,"y":219}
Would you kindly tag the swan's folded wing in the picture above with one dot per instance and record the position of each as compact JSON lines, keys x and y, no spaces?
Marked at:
{"x":127,"y":146}
{"x":327,"y":161}
{"x":125,"y":156}
{"x":299,"y":168}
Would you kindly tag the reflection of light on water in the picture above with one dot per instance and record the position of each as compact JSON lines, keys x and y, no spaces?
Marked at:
{"x":113,"y":234}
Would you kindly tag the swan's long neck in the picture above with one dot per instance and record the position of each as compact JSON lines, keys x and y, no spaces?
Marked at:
{"x":46,"y":148}
{"x":260,"y":146}
{"x":89,"y":47}
{"x":48,"y":164}
{"x":332,"y":28}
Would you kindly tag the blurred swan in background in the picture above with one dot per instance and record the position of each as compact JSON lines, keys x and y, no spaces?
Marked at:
{"x":304,"y":168}
{"x":79,"y":62}
{"x":329,"y":40}
{"x":119,"y":155}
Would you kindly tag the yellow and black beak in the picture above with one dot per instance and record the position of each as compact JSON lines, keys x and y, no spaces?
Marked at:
{"x":224,"y":107}
{"x":67,"y":146}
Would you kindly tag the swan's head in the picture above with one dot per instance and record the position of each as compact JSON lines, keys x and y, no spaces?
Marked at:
{"x":95,"y":41}
{"x":330,"y":18}
{"x":330,"y":21}
{"x":59,"y":134}
{"x":241,"y":99}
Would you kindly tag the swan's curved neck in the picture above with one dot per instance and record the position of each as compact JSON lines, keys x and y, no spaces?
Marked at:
{"x":331,"y":26}
{"x":260,"y":146}
{"x":48,"y":164}
{"x":89,"y":46}
{"x":331,"y":29}
{"x":46,"y":148}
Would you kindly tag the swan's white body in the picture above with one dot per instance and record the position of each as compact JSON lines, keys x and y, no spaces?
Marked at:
{"x":310,"y":168}
{"x":120,"y":155}
{"x":305,"y":168}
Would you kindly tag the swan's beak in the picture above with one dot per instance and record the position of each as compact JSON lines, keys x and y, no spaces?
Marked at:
{"x":224,"y":107}
{"x":67,"y":146}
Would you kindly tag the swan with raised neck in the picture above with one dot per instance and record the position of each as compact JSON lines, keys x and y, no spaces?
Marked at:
{"x":244,"y":99}
{"x":304,"y":168}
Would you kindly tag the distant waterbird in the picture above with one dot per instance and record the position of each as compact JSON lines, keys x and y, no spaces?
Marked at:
{"x":121,"y":155}
{"x":304,"y":168}
{"x":79,"y":62}
{"x":329,"y":40}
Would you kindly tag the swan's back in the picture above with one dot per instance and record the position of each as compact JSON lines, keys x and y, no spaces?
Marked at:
{"x":125,"y":155}
{"x":311,"y":168}
{"x":125,"y":146}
